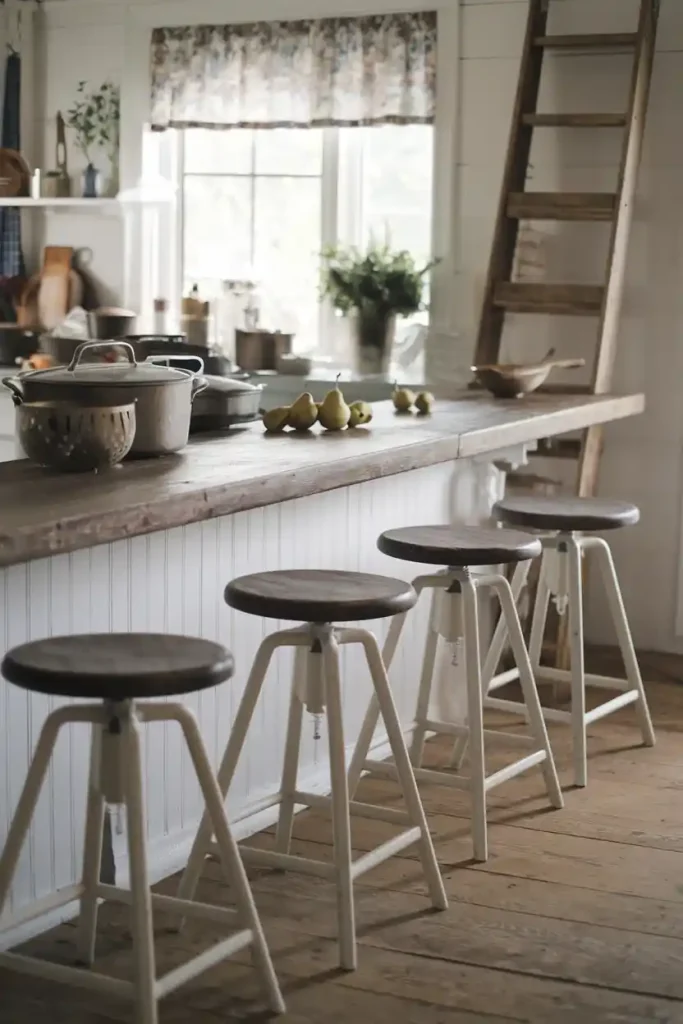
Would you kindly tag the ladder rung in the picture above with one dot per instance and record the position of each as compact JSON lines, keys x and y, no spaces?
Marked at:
{"x":575,"y":120}
{"x":559,"y":299}
{"x":558,"y":448}
{"x":562,"y":205}
{"x":518,"y":481}
{"x":599,"y":41}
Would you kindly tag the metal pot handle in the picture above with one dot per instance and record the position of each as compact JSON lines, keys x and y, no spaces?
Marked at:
{"x":12,"y":384}
{"x":87,"y":346}
{"x":199,"y":384}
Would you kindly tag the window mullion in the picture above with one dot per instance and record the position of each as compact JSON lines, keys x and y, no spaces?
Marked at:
{"x":252,"y":225}
{"x":329,"y":221}
{"x":177,"y":175}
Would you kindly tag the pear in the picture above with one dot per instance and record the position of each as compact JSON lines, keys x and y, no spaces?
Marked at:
{"x":303,"y":412}
{"x":424,"y":402}
{"x":275,"y":420}
{"x":361,"y":413}
{"x":403,"y":399}
{"x":334,"y":413}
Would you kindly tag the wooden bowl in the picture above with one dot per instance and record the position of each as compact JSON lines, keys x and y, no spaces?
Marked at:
{"x":75,"y":438}
{"x":512,"y":380}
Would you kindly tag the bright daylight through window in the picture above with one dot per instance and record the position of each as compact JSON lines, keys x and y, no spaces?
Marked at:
{"x":262,"y":204}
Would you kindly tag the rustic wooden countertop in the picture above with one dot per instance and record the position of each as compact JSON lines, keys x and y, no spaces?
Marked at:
{"x":44,"y":513}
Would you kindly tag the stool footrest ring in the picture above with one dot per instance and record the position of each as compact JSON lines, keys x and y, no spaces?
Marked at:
{"x":172,"y":904}
{"x":511,"y":771}
{"x":362,"y":810}
{"x":384,"y":851}
{"x":388,"y":770}
{"x":287,"y":861}
{"x":209,"y":958}
{"x":78,"y":976}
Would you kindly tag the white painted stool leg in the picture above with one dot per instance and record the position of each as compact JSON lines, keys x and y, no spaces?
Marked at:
{"x":238,"y":734}
{"x":28,"y":800}
{"x":143,"y":932}
{"x":528,"y":684}
{"x":425,"y":689}
{"x":493,"y":656}
{"x":92,"y":851}
{"x":404,"y":768}
{"x":363,"y":744}
{"x":475,"y":720}
{"x":578,"y":678}
{"x":540,"y":616}
{"x":290,"y":768}
{"x":340,"y":806}
{"x":618,"y":612}
{"x":230,"y":856}
{"x":362,"y":748}
{"x":371,"y":719}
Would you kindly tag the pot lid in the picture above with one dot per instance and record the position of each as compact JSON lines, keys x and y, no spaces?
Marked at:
{"x":110,"y":374}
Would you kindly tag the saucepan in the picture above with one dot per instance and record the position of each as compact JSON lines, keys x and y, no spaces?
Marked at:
{"x":163,"y":395}
{"x":226,"y":401}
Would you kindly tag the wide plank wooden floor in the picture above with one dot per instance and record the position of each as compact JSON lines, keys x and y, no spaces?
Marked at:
{"x":577,"y":916}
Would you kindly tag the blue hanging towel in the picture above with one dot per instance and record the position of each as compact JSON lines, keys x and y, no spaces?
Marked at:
{"x":11,"y":254}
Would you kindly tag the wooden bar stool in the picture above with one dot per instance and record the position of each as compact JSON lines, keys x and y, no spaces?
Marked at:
{"x":564,"y":521}
{"x":454,"y":616}
{"x":320,"y":598}
{"x":114,"y":671}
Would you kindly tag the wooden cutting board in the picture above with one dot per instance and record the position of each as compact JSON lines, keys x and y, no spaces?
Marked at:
{"x":55,"y":284}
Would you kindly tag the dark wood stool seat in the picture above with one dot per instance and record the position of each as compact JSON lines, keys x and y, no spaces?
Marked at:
{"x":117,"y":666}
{"x":319,"y":595}
{"x":566,"y":514}
{"x":458,"y":546}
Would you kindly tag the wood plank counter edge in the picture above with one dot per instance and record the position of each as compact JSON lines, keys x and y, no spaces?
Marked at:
{"x":43,"y":514}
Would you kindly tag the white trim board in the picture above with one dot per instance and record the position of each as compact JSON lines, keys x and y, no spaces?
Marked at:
{"x":162,"y":13}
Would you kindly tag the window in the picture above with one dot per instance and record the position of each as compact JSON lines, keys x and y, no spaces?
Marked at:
{"x":261,"y":204}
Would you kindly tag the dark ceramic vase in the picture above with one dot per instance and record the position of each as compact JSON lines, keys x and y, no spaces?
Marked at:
{"x":374,"y":331}
{"x":91,"y":182}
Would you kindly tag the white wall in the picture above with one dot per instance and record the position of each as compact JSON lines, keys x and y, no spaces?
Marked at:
{"x":643,"y":457}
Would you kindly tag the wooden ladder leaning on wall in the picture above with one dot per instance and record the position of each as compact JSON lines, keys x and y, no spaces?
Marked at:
{"x":501,"y":293}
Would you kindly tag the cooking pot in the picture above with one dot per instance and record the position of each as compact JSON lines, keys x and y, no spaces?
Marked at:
{"x":105,"y":323}
{"x":225,"y":403}
{"x":163,"y":395}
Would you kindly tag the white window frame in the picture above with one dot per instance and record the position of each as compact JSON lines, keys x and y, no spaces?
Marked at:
{"x":341,"y":174}
{"x":450,"y":279}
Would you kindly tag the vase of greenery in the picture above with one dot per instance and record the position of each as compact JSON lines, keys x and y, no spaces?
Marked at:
{"x":373,"y":288}
{"x":95,"y":118}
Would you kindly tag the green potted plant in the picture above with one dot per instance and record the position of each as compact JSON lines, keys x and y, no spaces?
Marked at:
{"x":95,"y":119}
{"x":374,"y":287}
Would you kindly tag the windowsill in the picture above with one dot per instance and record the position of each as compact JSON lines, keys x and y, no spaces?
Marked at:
{"x":328,"y":375}
{"x":282,"y":389}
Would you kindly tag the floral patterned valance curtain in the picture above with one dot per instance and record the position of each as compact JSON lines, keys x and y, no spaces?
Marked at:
{"x":337,"y":71}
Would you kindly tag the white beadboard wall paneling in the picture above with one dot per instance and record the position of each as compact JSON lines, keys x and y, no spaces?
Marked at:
{"x":173,"y":582}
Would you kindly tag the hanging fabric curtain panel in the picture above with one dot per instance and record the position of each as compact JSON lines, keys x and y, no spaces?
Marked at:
{"x":371,"y":70}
